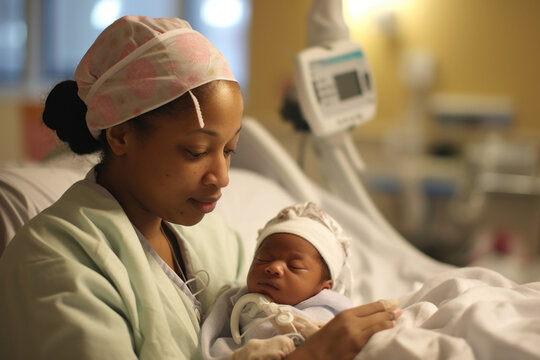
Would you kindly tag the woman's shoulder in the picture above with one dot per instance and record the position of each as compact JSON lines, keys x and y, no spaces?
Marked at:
{"x":81,"y":220}
{"x":85,"y":206}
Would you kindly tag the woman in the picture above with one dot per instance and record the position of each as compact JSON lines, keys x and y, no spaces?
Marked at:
{"x":124,"y":264}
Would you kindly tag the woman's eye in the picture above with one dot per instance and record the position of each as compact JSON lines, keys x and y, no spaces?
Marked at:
{"x":229,"y":152}
{"x":194,"y":154}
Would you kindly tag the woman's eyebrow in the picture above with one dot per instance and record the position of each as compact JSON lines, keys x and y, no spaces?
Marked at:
{"x":203,"y":131}
{"x":211,"y":132}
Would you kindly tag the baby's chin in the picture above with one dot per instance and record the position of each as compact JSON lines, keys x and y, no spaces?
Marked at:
{"x":273,"y":298}
{"x":264,"y":293}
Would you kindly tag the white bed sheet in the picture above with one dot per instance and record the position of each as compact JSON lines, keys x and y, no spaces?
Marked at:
{"x":468,"y":313}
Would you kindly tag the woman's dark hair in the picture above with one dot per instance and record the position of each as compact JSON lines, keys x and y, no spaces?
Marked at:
{"x":65,"y":113}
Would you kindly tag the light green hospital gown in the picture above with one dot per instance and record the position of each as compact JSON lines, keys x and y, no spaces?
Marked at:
{"x":77,"y":283}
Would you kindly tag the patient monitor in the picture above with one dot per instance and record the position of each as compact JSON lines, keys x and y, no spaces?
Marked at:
{"x":336,"y":92}
{"x":334,"y":87}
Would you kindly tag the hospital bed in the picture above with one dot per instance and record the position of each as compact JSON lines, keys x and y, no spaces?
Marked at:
{"x":448,"y":312}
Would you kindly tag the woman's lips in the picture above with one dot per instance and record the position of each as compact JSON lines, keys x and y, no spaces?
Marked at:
{"x":204,"y":206}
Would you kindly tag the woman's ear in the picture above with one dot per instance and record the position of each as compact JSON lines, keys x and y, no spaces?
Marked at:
{"x":117,"y":137}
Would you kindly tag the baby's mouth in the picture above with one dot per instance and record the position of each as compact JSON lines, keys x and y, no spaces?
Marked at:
{"x":268,"y":285}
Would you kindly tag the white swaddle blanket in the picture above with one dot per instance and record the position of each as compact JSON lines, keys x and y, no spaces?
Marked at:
{"x":216,"y":338}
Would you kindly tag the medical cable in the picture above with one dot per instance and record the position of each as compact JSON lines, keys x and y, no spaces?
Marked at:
{"x":180,"y":268}
{"x":281,"y":315}
{"x":197,"y":277}
{"x":280,"y":322}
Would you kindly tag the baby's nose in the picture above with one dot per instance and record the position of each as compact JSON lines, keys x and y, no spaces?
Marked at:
{"x":274,"y":269}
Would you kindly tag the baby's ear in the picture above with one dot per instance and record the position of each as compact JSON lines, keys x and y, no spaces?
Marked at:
{"x":327,"y":284}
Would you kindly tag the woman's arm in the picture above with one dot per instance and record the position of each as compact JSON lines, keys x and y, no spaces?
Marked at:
{"x":345,"y":335}
{"x":54,"y":308}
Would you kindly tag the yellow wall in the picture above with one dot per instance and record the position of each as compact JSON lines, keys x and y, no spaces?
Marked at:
{"x":10,"y":130}
{"x":480,"y":47}
{"x":488,"y":47}
{"x":277,"y":34}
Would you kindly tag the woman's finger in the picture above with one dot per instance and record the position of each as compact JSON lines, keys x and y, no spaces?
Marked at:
{"x":345,"y":335}
{"x":389,"y":304}
{"x":380,"y":326}
{"x":368,"y":309}
{"x":367,"y":322}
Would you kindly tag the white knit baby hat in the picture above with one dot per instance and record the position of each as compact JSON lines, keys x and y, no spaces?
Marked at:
{"x":311,"y":223}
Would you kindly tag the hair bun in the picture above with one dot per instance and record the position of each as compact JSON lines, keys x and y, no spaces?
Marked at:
{"x":65,"y":113}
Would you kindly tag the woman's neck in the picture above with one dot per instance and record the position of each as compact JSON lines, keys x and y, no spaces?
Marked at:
{"x":112,"y":179}
{"x":149,"y":225}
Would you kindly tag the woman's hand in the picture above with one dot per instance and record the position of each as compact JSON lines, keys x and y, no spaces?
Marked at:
{"x":345,"y":335}
{"x":275,"y":348}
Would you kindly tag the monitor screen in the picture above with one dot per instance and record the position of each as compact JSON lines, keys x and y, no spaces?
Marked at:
{"x":348,"y":85}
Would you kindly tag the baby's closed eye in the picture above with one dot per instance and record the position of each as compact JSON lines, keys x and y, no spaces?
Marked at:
{"x":297,"y":265}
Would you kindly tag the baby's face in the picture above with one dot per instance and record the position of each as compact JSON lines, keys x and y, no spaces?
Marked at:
{"x":287,"y":269}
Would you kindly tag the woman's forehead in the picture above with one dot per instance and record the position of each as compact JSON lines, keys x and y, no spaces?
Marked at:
{"x":222,"y":116}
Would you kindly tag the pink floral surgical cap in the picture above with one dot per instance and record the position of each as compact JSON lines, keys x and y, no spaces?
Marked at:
{"x":139,"y":63}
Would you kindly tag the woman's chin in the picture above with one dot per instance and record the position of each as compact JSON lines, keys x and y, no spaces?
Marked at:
{"x":186,"y":220}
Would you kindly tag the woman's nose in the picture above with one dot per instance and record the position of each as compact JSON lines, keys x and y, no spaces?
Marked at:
{"x":274,"y":269}
{"x":218,"y":173}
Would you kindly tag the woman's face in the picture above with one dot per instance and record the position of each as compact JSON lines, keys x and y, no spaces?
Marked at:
{"x":287,"y":269}
{"x":176,"y":172}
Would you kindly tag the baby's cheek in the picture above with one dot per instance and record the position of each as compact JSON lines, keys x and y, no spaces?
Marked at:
{"x":251,"y":279}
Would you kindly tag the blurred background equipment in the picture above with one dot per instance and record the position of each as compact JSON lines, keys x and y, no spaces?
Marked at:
{"x":450,"y":156}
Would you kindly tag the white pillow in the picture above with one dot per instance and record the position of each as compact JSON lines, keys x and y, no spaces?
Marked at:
{"x":249,"y":202}
{"x":25,"y":190}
